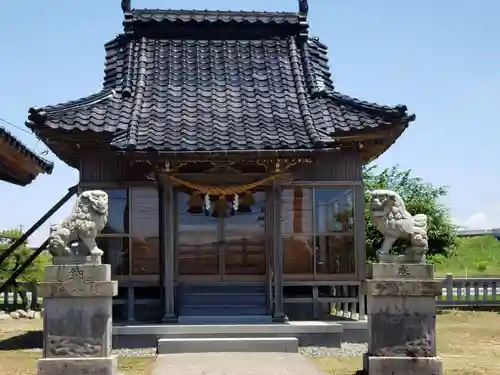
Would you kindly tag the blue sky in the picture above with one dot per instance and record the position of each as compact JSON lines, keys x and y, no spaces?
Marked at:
{"x":440,"y":58}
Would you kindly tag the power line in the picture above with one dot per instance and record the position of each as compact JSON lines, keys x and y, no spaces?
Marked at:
{"x":15,"y":126}
{"x":44,"y":152}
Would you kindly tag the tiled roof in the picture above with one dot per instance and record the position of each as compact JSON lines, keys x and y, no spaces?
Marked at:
{"x":210,"y":16}
{"x":223,"y":95}
{"x":104,"y":111}
{"x":217,"y":94}
{"x":7,"y":173}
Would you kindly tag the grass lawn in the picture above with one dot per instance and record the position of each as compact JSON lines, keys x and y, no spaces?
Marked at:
{"x":474,"y":257}
{"x":468,"y":342}
{"x":22,"y":362}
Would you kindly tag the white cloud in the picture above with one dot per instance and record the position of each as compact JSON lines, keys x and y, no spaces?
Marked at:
{"x":480,"y":220}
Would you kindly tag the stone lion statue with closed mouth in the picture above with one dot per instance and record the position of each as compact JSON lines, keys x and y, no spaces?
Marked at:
{"x":82,"y":226}
{"x":391,"y":218}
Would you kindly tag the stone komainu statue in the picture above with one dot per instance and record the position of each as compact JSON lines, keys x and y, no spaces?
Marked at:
{"x":390,"y":217}
{"x":86,"y":221}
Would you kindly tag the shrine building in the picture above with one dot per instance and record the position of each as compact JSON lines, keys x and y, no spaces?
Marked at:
{"x":232,"y":163}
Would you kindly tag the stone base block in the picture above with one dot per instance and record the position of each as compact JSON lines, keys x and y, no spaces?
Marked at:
{"x":228,"y":344}
{"x":404,"y":366}
{"x":77,"y":366}
{"x":71,"y":259}
{"x":388,"y":271}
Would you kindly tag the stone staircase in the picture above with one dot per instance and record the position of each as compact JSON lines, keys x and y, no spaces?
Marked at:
{"x":218,"y":304}
{"x":227,"y":318}
{"x":197,"y":338}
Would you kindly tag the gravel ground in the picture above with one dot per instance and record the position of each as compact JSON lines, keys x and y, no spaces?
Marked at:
{"x":347,"y":350}
{"x":143,"y":352}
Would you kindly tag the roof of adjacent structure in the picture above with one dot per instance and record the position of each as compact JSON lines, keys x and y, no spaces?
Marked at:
{"x":179,"y":81}
{"x":18,"y":164}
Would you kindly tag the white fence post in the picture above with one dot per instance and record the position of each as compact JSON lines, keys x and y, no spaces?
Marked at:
{"x":449,"y":287}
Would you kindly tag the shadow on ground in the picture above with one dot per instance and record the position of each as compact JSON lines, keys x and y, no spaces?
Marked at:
{"x":27,"y":340}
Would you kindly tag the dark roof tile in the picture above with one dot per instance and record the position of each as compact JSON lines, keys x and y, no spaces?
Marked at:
{"x":218,"y":94}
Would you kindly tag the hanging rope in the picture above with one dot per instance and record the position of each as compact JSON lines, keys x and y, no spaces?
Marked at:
{"x":222,"y":190}
{"x":228,"y":190}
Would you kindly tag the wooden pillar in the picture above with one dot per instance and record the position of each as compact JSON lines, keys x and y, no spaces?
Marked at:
{"x":278,"y":313}
{"x":168,"y":271}
{"x":360,"y":246}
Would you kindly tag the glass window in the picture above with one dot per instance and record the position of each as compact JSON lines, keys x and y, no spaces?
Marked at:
{"x":145,"y":230}
{"x":198,"y":254}
{"x":247,"y":214}
{"x":298,"y":254}
{"x":116,"y":253}
{"x":145,"y":212}
{"x":333,"y":210}
{"x":145,"y":256}
{"x":318,"y":228}
{"x":245,"y":253}
{"x":117,"y":212}
{"x":335,"y":254}
{"x":193,"y":215}
{"x":297,"y":210}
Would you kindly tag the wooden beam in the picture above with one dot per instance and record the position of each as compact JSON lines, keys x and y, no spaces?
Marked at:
{"x":18,"y":159}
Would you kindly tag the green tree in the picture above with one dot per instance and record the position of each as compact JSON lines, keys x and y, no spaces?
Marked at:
{"x":420,"y":198}
{"x":33,"y":272}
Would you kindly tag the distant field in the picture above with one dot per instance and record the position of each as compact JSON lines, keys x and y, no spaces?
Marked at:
{"x":474,"y":257}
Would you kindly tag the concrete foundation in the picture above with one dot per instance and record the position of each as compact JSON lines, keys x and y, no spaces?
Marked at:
{"x":405,"y":366}
{"x":77,"y":321}
{"x":402,"y":320}
{"x":328,"y":334}
{"x":77,"y":366}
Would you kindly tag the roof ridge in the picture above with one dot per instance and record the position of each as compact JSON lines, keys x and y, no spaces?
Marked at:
{"x":212,"y":11}
{"x":302,"y":94}
{"x":171,"y":22}
{"x":399,"y":110}
{"x":74,"y":104}
{"x":140,"y":86}
{"x":126,"y":82}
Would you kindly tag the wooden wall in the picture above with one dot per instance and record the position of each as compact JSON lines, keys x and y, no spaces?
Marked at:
{"x":326,"y":166}
{"x":333,"y":166}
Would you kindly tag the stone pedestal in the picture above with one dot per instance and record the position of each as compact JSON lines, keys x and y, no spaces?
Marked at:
{"x":77,"y":319}
{"x":402,"y":320}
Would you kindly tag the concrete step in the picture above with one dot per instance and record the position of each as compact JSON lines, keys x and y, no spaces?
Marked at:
{"x":224,"y":319}
{"x":316,"y":333}
{"x":223,"y":310}
{"x":230,"y":288}
{"x":218,"y":298}
{"x":228,"y":344}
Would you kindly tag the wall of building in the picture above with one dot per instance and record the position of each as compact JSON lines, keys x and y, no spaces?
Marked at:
{"x":345,"y":165}
{"x":322,"y":227}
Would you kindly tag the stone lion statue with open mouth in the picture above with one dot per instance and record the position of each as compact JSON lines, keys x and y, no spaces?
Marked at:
{"x":82,"y":226}
{"x":391,"y":218}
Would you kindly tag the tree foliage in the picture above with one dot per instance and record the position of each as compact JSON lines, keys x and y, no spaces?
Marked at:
{"x":33,"y":272}
{"x":420,"y":198}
